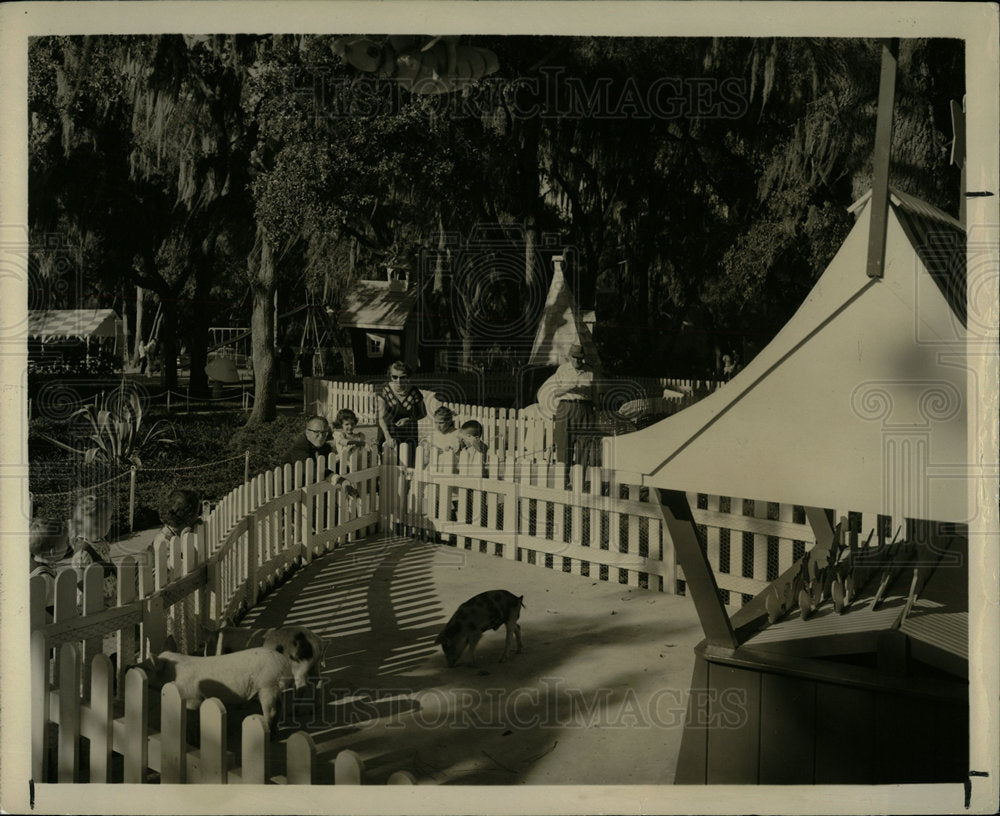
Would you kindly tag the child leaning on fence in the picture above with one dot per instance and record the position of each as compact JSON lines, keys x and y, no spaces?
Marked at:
{"x":345,"y":438}
{"x":179,"y":513}
{"x":88,"y":530}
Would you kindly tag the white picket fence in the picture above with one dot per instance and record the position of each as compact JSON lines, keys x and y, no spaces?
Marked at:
{"x":513,"y":433}
{"x":124,"y":744}
{"x":581,"y":520}
{"x":249,"y":542}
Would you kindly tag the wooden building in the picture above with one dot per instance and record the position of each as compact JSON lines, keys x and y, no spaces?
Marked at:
{"x":381,"y":319}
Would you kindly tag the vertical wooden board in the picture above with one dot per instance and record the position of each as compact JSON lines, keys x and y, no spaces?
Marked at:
{"x":256,"y":752}
{"x":905,"y":742}
{"x":760,"y":544}
{"x":713,"y":539}
{"x":693,"y":756}
{"x":786,"y":546}
{"x":633,"y":535}
{"x":733,"y":725}
{"x":173,"y":731}
{"x":787,"y":736}
{"x":951,"y":746}
{"x":845,"y":735}
{"x":102,"y":718}
{"x":213,"y":765}
{"x":136,"y":748}
{"x":93,"y":602}
{"x":300,"y":759}
{"x":39,"y":707}
{"x":69,"y":714}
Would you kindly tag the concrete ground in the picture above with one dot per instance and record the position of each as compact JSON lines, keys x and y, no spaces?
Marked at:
{"x":598,"y":695}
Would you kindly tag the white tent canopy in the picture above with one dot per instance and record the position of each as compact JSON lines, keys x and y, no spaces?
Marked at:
{"x":47,"y":324}
{"x":562,"y":325}
{"x":859,"y":403}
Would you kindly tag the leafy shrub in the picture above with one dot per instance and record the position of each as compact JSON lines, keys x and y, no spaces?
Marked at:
{"x":207,"y":456}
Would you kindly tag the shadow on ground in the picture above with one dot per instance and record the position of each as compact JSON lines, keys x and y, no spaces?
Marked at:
{"x":597,"y":697}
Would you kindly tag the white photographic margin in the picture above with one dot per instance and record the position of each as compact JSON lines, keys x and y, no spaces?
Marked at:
{"x":975,"y":23}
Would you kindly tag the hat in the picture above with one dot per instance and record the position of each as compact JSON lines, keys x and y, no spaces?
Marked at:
{"x":576,"y":350}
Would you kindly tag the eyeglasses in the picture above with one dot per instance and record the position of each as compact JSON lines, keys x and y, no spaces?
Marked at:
{"x":324,"y":431}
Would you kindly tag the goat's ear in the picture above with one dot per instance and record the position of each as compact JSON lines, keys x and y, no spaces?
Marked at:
{"x":438,"y":639}
{"x":169,"y":645}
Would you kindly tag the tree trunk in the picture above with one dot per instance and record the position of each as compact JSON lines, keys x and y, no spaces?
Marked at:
{"x":168,"y":343}
{"x":262,"y":283}
{"x":198,"y":339}
{"x":139,"y":294}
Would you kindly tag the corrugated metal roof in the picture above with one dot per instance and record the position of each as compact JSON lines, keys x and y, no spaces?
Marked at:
{"x":377,"y":305}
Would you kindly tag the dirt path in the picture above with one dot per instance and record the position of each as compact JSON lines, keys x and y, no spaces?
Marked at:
{"x":597,"y":696}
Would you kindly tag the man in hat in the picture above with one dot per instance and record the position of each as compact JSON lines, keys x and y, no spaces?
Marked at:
{"x":574,"y":390}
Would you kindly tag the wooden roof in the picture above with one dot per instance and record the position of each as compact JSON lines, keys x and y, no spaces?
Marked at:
{"x":377,"y":305}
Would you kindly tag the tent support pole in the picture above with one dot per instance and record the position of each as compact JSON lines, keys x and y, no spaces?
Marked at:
{"x":697,"y":570}
{"x":883,"y":149}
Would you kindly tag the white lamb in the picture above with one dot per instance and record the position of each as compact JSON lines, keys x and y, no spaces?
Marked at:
{"x":233,"y":678}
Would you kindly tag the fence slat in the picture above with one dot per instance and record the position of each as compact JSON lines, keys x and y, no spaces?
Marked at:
{"x":300,"y":759}
{"x":213,"y":759}
{"x":69,"y":714}
{"x":136,"y":748}
{"x":256,"y":754}
{"x":101,"y":714}
{"x":173,"y":736}
{"x":348,"y":768}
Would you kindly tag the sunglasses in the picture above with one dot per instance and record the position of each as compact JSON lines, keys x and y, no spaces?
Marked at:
{"x":399,"y":377}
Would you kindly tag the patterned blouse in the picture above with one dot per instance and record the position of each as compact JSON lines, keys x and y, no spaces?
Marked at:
{"x":395,"y":408}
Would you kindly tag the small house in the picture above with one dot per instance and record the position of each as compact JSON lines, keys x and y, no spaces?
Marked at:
{"x":381,"y":319}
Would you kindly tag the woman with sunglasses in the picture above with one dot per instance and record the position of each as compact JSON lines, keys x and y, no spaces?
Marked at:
{"x":400,"y":408}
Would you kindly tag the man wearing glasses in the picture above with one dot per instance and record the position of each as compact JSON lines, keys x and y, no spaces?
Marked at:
{"x":315,"y":441}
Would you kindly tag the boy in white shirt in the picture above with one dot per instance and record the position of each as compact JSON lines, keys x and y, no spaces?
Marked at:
{"x":446,"y":437}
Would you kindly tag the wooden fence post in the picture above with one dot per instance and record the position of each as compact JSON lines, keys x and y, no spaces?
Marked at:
{"x":256,"y":754}
{"x":173,"y":736}
{"x":136,"y":748}
{"x":246,"y":466}
{"x":348,"y":768}
{"x":131,"y":499}
{"x":69,"y":713}
{"x":300,"y":759}
{"x":212,"y":748}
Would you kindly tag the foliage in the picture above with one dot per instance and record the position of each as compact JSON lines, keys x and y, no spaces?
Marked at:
{"x":116,"y":432}
{"x":193,"y":165}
